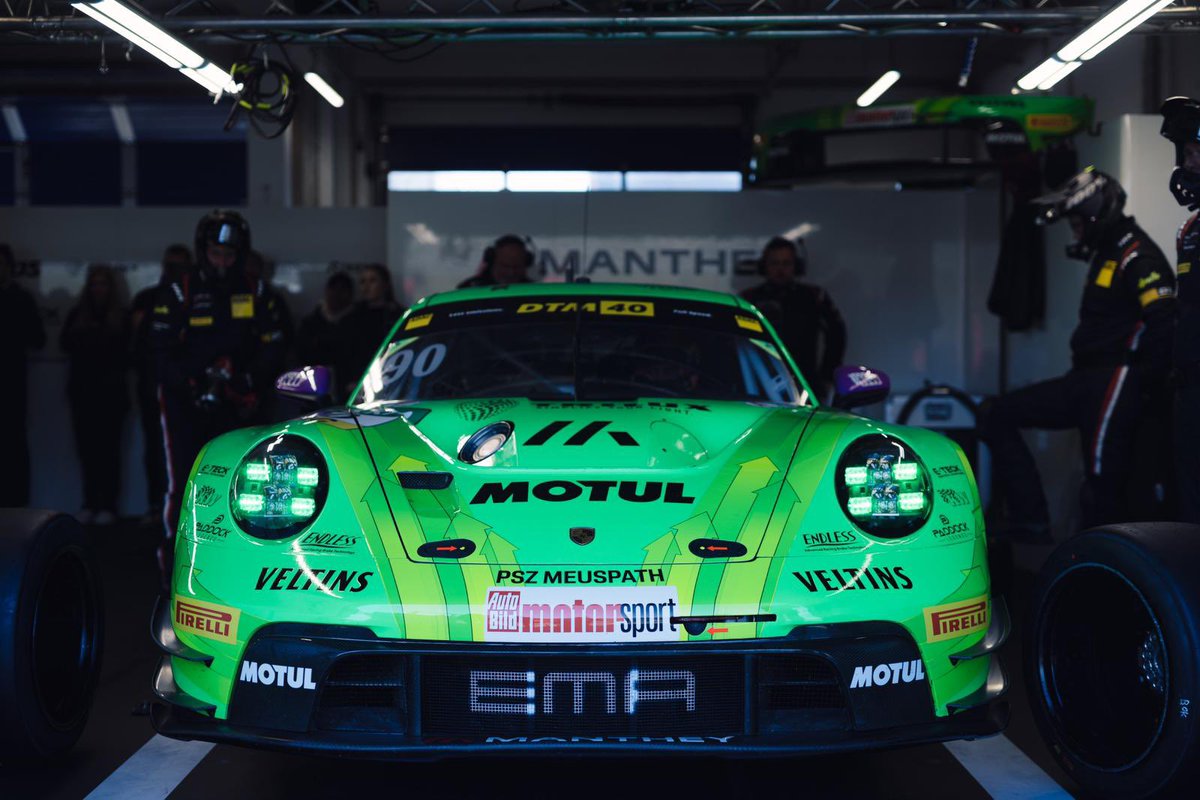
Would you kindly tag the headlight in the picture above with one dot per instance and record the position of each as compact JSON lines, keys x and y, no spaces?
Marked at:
{"x":485,"y":442}
{"x":279,"y":488}
{"x":883,"y":487}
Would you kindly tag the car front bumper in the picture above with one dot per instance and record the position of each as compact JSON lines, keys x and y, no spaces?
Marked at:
{"x":343,"y":691}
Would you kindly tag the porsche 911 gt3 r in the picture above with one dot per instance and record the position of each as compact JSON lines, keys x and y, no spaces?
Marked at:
{"x":584,"y":518}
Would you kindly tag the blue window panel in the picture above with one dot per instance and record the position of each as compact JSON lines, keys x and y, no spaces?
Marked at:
{"x":79,"y":173}
{"x":184,"y":122}
{"x":58,"y":120}
{"x":191,"y":173}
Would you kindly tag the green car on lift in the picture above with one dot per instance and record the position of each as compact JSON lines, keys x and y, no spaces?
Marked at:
{"x":581,"y":517}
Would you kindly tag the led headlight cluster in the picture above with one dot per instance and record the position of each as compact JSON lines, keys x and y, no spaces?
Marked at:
{"x":279,"y":488}
{"x":883,"y":487}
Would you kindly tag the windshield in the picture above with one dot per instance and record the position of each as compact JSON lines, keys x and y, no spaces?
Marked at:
{"x":580,"y":348}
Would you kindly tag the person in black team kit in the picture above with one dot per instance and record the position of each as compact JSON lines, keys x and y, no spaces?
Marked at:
{"x":369,"y":323}
{"x":1119,"y":349}
{"x":324,"y":336}
{"x":215,"y":340}
{"x":803,"y":315}
{"x":20,"y":332}
{"x":176,"y":261}
{"x":95,"y":339}
{"x":1181,"y":124}
{"x":505,"y":261}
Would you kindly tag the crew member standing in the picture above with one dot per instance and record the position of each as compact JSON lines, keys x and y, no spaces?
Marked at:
{"x":324,"y":336}
{"x":176,"y":261}
{"x":216,"y":344}
{"x":1181,"y":124}
{"x":20,"y":331}
{"x":506,"y":260}
{"x":802,"y":314}
{"x":95,"y":339}
{"x":1119,"y":350}
{"x":369,"y":323}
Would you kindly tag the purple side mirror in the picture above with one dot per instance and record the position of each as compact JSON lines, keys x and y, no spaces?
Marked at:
{"x":307,"y":383}
{"x":859,"y":386}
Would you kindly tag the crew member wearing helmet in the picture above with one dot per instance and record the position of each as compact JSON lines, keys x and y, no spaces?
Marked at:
{"x":214,"y":338}
{"x":802,"y":314}
{"x":1119,"y":350}
{"x":1181,"y":124}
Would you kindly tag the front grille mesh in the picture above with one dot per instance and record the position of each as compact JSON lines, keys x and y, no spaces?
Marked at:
{"x":793,"y":682}
{"x":365,"y":692}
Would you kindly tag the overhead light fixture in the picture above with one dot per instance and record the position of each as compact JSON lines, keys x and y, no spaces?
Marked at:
{"x":157,"y":42}
{"x":885,"y":82}
{"x":324,"y":89}
{"x":1092,"y":41}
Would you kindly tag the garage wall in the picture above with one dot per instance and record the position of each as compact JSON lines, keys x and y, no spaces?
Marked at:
{"x":54,"y":246}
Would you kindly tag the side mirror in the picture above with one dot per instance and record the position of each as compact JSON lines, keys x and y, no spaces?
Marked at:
{"x":311,"y":385}
{"x":859,"y":386}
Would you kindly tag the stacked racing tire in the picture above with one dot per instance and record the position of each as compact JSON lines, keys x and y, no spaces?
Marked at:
{"x":1112,"y":659}
{"x":50,"y":633}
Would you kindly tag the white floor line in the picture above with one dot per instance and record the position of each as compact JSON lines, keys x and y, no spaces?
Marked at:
{"x":1004,"y":771}
{"x":153,"y":772}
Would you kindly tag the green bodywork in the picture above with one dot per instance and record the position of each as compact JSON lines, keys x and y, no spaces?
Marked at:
{"x":1042,"y":119}
{"x":761,"y":474}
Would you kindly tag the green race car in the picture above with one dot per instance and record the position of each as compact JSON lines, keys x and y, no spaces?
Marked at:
{"x":581,"y":518}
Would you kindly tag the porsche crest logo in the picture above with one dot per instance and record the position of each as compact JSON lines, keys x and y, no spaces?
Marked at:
{"x":583,"y":535}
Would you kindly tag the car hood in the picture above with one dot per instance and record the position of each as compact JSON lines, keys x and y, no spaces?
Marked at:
{"x":646,"y":476}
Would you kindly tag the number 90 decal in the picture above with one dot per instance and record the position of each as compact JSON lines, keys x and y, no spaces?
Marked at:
{"x":395,"y":366}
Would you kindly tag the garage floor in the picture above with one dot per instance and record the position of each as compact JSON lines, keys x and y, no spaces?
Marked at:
{"x":120,"y":756}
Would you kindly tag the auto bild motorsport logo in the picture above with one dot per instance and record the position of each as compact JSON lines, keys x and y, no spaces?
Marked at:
{"x":596,"y":614}
{"x":953,"y":620}
{"x":207,"y":619}
{"x":888,"y":674}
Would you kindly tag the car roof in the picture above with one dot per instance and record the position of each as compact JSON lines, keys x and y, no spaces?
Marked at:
{"x":583,"y":290}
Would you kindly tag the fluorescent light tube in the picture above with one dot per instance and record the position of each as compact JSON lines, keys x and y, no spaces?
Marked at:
{"x":1063,"y":71}
{"x":157,"y":42}
{"x":1093,"y":40}
{"x":123,"y":123}
{"x":12,"y":119}
{"x":885,"y":82}
{"x":324,"y":89}
{"x":151,"y":32}
{"x":1101,"y":28}
{"x":1129,"y":26}
{"x":121,"y":30}
{"x":215,"y":75}
{"x":1039,"y":73}
{"x":202,"y":79}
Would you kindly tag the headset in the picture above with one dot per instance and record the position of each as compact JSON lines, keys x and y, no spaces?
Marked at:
{"x":489,"y":255}
{"x":799,"y":253}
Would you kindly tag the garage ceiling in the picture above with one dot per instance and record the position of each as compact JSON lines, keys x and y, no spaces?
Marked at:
{"x":403,"y":21}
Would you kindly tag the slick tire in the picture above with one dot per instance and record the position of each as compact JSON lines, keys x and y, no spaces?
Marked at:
{"x":1112,"y":659}
{"x":50,"y":633}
